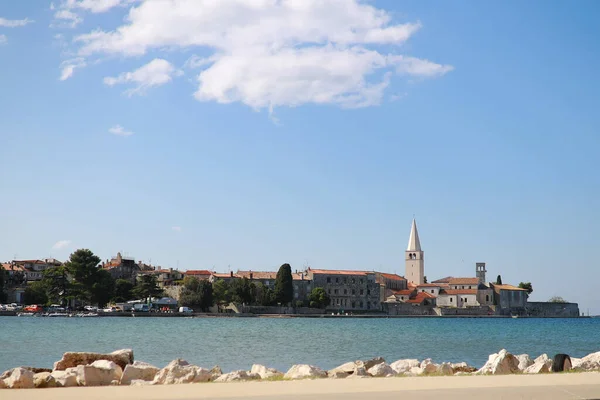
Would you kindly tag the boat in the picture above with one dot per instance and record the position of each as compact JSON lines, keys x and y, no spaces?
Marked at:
{"x":26,"y":314}
{"x":514,"y":316}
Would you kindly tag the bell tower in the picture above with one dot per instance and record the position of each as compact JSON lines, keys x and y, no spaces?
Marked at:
{"x":415,"y":262}
{"x":480,"y":272}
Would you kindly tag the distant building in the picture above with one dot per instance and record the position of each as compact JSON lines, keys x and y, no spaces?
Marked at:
{"x":201,"y":274}
{"x":121,"y":267}
{"x":34,"y":269}
{"x":414,"y":258}
{"x":510,"y":298}
{"x":348,"y":290}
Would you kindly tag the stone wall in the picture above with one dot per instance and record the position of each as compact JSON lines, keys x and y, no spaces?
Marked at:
{"x":279,"y":310}
{"x":549,"y":310}
{"x":407,"y":309}
{"x":480,"y":310}
{"x":172,"y":292}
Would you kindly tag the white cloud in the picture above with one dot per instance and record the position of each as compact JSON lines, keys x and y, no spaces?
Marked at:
{"x":8,"y":23}
{"x":120,"y":131}
{"x":72,"y":10}
{"x":68,"y":18}
{"x":68,"y":67}
{"x":266,"y":53}
{"x":3,"y":39}
{"x":176,"y":228}
{"x":96,"y":6}
{"x":61,"y":244}
{"x":156,"y":73}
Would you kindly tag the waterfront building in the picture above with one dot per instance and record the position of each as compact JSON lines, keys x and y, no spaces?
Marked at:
{"x":200,"y":274}
{"x":34,"y":269}
{"x":509,"y":297}
{"x":121,"y":267}
{"x":348,"y":290}
{"x":389,"y":283}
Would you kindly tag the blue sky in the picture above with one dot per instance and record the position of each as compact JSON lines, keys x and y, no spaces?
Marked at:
{"x":263,"y":135}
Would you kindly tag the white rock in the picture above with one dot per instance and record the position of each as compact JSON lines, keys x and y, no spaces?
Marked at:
{"x":415,"y":371}
{"x":524,"y":362}
{"x":44,"y":380}
{"x":368,"y":364}
{"x":239,"y":375}
{"x":67,"y":378}
{"x":445,"y":369}
{"x":180,"y":371}
{"x":264,"y":372}
{"x":138,"y":371}
{"x":356,"y":368}
{"x":499,"y":364}
{"x":381,"y":370}
{"x":540,"y":365}
{"x":591,"y":362}
{"x":303,"y":371}
{"x":99,"y":373}
{"x":18,"y":378}
{"x":428,"y":367}
{"x":73,"y":359}
{"x":402,"y":366}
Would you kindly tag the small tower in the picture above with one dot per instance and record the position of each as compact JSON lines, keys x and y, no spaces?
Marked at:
{"x":480,"y":272}
{"x":415,"y":263}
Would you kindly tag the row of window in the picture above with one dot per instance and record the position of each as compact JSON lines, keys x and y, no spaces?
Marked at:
{"x":352,"y":304}
{"x":345,"y":280}
{"x":338,"y":291}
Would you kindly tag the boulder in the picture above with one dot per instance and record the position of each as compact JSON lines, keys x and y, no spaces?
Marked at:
{"x":542,"y":364}
{"x":44,"y":380}
{"x":36,"y":370}
{"x":67,"y":378}
{"x":500,"y":363}
{"x":2,"y":384}
{"x":17,"y":378}
{"x":524,"y":362}
{"x":239,"y":375}
{"x":415,"y":371}
{"x":304,"y":371}
{"x":99,"y":373}
{"x":373,"y":362}
{"x":403,"y":366}
{"x":381,"y":370}
{"x":180,"y":371}
{"x":428,"y":367}
{"x":265,"y":373}
{"x":591,"y":362}
{"x":347,"y":369}
{"x":445,"y":369}
{"x":138,"y":371}
{"x":73,"y":359}
{"x":462,"y":367}
{"x":215,"y":372}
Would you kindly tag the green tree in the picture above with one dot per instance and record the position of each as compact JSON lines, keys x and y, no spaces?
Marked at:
{"x":196,"y":293}
{"x":242,"y":291}
{"x":57,"y":285}
{"x":146,"y":287}
{"x":557,"y":299}
{"x":264,"y":295}
{"x":221,"y":292}
{"x":35,"y":293}
{"x":123,"y":289}
{"x":527,"y":286}
{"x":82,"y":266}
{"x":284,"y":285}
{"x":3,"y":295}
{"x":103,"y":288}
{"x":499,"y":280}
{"x":319,"y":298}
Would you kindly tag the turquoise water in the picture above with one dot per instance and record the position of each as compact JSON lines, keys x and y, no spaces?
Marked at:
{"x":237,"y":343}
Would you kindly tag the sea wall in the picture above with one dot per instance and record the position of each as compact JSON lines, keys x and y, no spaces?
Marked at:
{"x":279,"y":310}
{"x":480,"y":310}
{"x":552,"y":310}
{"x":407,"y":309}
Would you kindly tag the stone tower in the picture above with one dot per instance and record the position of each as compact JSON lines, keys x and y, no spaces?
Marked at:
{"x":480,"y":272}
{"x":415,"y":263}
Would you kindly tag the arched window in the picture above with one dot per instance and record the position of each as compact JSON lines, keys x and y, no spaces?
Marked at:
{"x":487,"y":297}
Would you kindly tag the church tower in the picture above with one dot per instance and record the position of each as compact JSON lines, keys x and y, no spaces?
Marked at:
{"x":415,"y":263}
{"x":480,"y":272}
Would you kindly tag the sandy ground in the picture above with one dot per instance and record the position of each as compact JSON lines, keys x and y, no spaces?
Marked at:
{"x":546,"y":386}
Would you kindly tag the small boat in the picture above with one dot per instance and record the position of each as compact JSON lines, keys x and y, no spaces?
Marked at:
{"x":514,"y":316}
{"x":26,"y":314}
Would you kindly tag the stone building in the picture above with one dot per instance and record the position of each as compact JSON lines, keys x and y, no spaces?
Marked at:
{"x":121,"y":267}
{"x":348,"y":290}
{"x":414,"y":258}
{"x":509,"y":299}
{"x":34,"y":269}
{"x":389,"y":283}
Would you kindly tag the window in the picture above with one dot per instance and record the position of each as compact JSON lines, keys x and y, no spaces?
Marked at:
{"x":450,"y":299}
{"x":345,"y":280}
{"x":353,"y":280}
{"x":337,"y":280}
{"x":368,"y":292}
{"x":335,"y":291}
{"x":361,"y":292}
{"x":328,"y":279}
{"x":463,"y":287}
{"x":353,"y":291}
{"x":353,"y":304}
{"x":361,"y":304}
{"x":432,"y":291}
{"x":328,"y":291}
{"x":345,"y":291}
{"x":487,"y":297}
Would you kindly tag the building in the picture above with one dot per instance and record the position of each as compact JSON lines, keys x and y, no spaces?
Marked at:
{"x":200,"y":274}
{"x":348,"y":290}
{"x":389,"y":283}
{"x":34,"y":269}
{"x":414,"y":258}
{"x":509,"y":298}
{"x":121,"y":267}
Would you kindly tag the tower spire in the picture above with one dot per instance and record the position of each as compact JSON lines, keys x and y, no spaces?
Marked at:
{"x":413,"y":241}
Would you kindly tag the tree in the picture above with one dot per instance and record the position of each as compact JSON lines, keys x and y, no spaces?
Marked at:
{"x":83,"y":268}
{"x":35,"y":293}
{"x":499,"y":280}
{"x":424,"y":279}
{"x":57,"y":285}
{"x":103,"y":289}
{"x":221,"y":292}
{"x":557,"y":299}
{"x":3,"y":295}
{"x":264,"y":295}
{"x":146,"y":287}
{"x":123,"y":289}
{"x":284,"y":285}
{"x":527,"y":286}
{"x":196,"y":293}
{"x":242,"y":291}
{"x":319,"y":298}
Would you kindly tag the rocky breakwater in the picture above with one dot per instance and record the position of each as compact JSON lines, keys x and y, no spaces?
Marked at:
{"x":119,"y":368}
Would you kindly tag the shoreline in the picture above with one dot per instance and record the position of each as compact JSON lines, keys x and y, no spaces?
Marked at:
{"x":547,"y":386}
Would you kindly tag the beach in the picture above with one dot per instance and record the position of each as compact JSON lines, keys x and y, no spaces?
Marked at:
{"x":546,"y":386}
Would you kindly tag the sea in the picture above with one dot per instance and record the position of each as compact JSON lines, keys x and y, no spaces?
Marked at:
{"x":237,"y":343}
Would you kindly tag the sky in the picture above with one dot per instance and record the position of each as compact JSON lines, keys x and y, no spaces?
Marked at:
{"x":246,"y":134}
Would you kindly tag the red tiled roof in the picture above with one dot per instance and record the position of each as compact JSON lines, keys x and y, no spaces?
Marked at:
{"x":429,"y":285}
{"x":299,"y":277}
{"x":257,"y":274}
{"x":405,"y":292}
{"x":443,"y":280}
{"x":198,"y":272}
{"x":338,"y":272}
{"x":497,"y":288}
{"x":393,"y":277}
{"x":457,"y":291}
{"x":29,"y":262}
{"x":420,"y":297}
{"x":220,"y":275}
{"x":464,"y":281}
